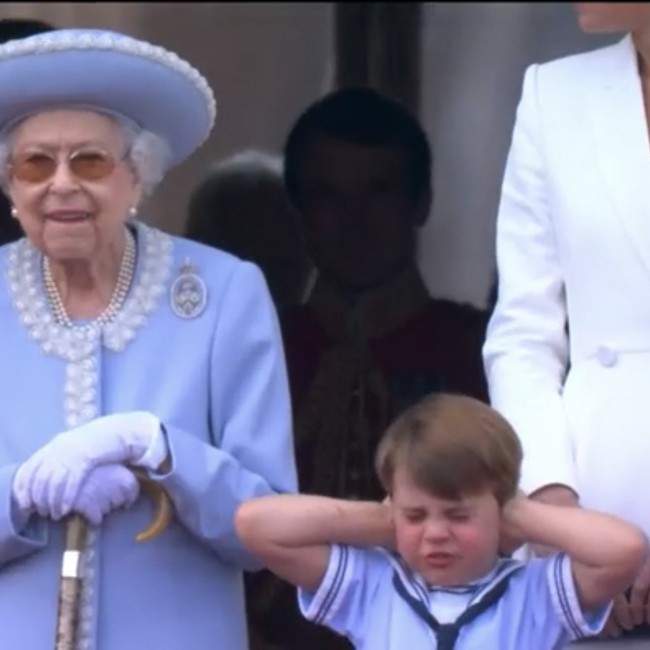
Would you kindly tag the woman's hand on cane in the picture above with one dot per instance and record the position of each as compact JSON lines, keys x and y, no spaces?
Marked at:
{"x":50,"y":480}
{"x":107,"y":488}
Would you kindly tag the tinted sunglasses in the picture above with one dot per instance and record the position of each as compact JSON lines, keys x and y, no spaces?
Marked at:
{"x":38,"y":166}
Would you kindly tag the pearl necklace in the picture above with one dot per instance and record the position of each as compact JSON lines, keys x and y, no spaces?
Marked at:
{"x":124,"y":279}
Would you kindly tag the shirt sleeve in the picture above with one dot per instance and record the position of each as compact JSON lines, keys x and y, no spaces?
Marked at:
{"x":553,"y":606}
{"x":348,"y":590}
{"x":20,"y":535}
{"x":564,"y":597}
{"x":157,"y":451}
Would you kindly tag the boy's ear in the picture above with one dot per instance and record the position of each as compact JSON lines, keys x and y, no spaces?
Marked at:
{"x":508,"y":544}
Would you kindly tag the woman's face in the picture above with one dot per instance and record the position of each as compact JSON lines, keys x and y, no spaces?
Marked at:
{"x":70,"y":182}
{"x":606,"y":17}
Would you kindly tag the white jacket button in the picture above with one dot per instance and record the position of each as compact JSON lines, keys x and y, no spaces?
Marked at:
{"x":606,"y":357}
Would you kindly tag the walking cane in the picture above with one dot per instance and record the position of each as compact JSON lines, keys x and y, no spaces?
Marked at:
{"x":70,"y":580}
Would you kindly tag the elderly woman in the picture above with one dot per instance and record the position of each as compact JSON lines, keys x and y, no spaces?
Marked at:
{"x":123,"y":347}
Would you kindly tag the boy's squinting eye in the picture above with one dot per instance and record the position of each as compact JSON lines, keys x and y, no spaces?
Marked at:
{"x":458,"y":515}
{"x":414,"y":516}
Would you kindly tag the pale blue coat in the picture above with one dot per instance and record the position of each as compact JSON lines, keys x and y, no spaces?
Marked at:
{"x":217,"y":382}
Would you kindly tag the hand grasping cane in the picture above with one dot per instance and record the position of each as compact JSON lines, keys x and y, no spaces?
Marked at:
{"x":70,"y":581}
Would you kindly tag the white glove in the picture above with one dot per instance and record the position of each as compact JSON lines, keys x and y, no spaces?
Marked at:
{"x":49,"y":480}
{"x":106,"y":488}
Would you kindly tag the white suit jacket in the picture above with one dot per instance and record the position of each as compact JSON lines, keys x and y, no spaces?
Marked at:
{"x":573,"y":245}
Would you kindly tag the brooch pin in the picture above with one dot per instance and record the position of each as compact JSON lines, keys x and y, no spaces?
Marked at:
{"x":188,"y":293}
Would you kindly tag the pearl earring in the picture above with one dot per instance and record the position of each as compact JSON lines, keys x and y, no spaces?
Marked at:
{"x":133,"y":212}
{"x":14,"y":212}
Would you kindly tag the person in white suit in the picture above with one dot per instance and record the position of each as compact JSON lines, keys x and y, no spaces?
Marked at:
{"x":567,"y":353}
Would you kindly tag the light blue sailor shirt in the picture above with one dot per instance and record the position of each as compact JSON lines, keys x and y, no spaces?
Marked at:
{"x":359,"y":599}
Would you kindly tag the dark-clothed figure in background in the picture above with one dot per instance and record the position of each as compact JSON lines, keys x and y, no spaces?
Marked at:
{"x":370,"y":340}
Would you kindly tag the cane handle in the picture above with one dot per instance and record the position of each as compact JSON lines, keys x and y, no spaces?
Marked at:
{"x":163,"y":509}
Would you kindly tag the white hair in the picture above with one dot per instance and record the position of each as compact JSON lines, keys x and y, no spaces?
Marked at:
{"x":251,"y":172}
{"x":250,"y":176}
{"x":252,"y":163}
{"x":147,"y":153}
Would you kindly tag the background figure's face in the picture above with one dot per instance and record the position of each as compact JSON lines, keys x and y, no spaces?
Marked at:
{"x":447,"y":542}
{"x":606,"y":17}
{"x":359,"y":216}
{"x":66,"y":216}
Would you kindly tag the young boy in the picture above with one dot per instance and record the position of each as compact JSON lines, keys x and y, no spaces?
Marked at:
{"x":450,"y":466}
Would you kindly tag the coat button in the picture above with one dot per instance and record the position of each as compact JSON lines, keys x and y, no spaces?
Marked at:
{"x":606,"y":357}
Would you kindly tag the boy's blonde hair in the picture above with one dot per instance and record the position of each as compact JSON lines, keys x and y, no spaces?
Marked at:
{"x":452,"y":446}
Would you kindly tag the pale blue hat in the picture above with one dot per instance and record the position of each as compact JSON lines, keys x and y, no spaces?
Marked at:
{"x":109,"y":72}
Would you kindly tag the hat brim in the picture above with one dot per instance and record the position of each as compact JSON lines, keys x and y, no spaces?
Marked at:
{"x":155,"y":96}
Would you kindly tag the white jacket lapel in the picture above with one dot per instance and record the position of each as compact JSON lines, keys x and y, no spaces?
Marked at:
{"x":622,"y":144}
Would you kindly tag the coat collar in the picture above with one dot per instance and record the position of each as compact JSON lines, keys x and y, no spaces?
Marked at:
{"x":23,"y":273}
{"x":417,"y":588}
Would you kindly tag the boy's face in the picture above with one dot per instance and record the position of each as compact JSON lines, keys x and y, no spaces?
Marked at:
{"x":447,"y":542}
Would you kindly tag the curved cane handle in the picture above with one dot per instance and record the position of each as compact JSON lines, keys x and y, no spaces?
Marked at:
{"x":163,"y":507}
